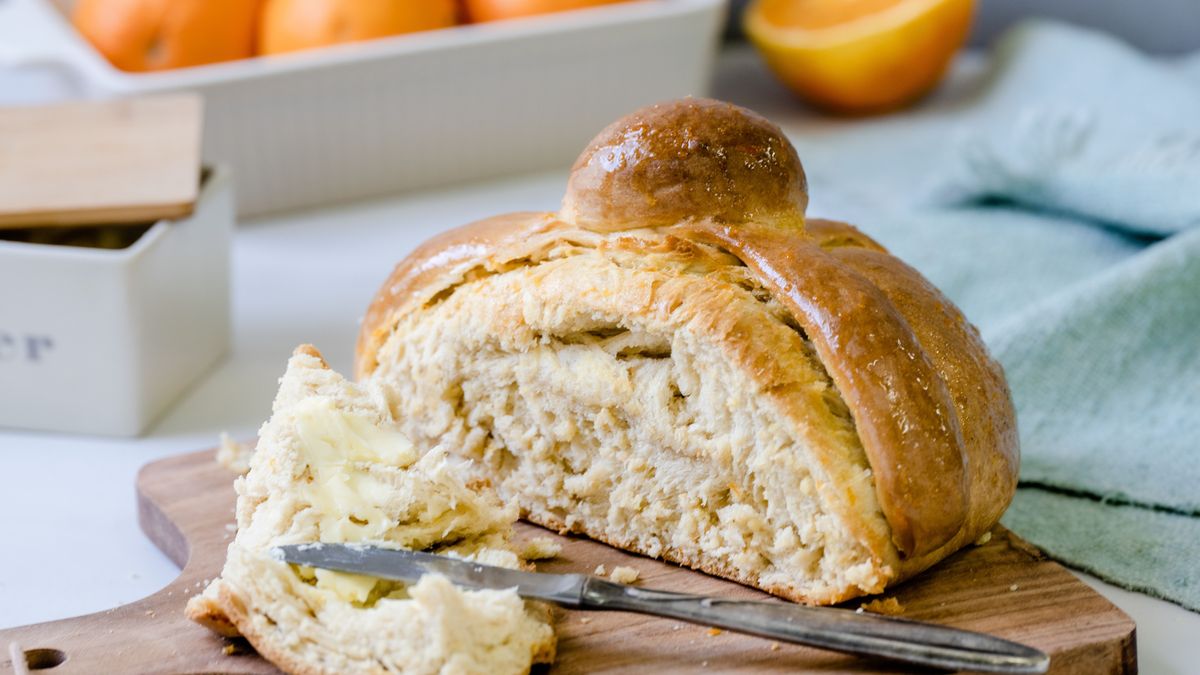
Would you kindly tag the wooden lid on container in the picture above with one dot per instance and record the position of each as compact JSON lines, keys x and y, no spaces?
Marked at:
{"x":100,"y":162}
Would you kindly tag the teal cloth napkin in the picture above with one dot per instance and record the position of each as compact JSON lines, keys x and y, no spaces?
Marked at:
{"x":1060,"y":207}
{"x":1079,"y":124}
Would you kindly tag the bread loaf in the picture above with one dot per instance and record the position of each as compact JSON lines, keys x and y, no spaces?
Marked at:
{"x":329,"y":466}
{"x":679,"y":363}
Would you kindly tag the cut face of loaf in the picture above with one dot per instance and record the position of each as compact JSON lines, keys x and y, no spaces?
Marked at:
{"x":593,"y":385}
{"x":649,"y":392}
{"x":679,"y":364}
{"x":331,"y":467}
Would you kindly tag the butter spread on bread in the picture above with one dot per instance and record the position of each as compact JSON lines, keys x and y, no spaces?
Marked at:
{"x":680,"y":363}
{"x":330,"y":466}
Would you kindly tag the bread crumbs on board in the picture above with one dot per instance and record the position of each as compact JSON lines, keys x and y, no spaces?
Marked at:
{"x":885,"y":606}
{"x":541,"y":548}
{"x":233,"y":455}
{"x":624,"y":575}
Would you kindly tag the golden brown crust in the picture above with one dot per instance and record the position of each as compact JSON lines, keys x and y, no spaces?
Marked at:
{"x":205,"y":611}
{"x":267,"y":646}
{"x":686,"y":159}
{"x":976,"y":382}
{"x":430,"y":265}
{"x":902,"y":408}
{"x":930,"y":406}
{"x":983,"y":404}
{"x":309,"y":350}
{"x":834,"y":233}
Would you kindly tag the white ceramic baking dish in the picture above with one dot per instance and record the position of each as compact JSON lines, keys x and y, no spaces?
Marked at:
{"x":410,"y":111}
{"x":101,"y":341}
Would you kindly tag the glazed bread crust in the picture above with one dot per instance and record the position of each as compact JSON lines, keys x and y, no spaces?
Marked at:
{"x":665,"y":164}
{"x":687,"y":220}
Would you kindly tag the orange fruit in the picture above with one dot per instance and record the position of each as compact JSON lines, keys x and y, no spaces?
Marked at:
{"x":140,"y":35}
{"x":291,"y":25}
{"x":859,"y":56}
{"x":495,"y":10}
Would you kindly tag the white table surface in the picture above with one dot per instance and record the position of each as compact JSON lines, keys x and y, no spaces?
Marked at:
{"x":71,"y":543}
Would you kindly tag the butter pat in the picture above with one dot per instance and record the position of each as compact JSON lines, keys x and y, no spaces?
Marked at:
{"x":349,"y":587}
{"x":341,"y":451}
{"x":363,"y":482}
{"x":330,"y":436}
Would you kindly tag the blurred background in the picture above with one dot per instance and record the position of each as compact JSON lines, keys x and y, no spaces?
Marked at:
{"x":190,"y":188}
{"x":1159,"y":26}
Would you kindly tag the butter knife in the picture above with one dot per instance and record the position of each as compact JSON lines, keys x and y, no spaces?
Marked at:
{"x":839,"y":630}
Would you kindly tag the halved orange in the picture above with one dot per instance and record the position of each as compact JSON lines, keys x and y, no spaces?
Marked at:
{"x":858,"y":56}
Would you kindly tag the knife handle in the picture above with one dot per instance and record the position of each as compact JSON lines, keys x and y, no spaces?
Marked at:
{"x":839,"y":630}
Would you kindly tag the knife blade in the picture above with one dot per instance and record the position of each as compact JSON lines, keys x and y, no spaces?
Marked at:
{"x":409,"y":566}
{"x":823,"y":627}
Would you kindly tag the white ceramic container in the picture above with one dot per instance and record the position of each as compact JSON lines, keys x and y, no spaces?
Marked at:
{"x":102,"y":341}
{"x":414,"y":110}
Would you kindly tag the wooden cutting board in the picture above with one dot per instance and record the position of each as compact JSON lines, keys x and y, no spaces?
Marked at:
{"x":185,"y":504}
{"x":126,"y":161}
